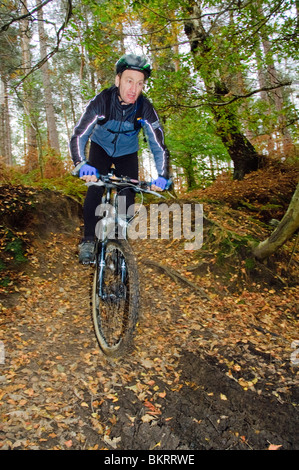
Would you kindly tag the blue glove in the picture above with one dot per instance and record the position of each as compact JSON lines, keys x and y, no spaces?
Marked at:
{"x":88,"y":170}
{"x":161,"y":182}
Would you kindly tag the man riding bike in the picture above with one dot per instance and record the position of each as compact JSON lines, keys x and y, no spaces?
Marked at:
{"x":112,"y":121}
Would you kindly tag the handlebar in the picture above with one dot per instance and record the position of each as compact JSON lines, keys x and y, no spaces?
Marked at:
{"x":118,"y":181}
{"x":113,"y":181}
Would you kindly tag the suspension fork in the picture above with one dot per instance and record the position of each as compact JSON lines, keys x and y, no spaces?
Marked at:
{"x":123,"y":270}
{"x":122,"y":262}
{"x":101,"y":265}
{"x":101,"y":251}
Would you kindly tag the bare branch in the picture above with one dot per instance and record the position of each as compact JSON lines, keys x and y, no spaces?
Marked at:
{"x":41,"y":62}
{"x":22,"y":17}
{"x":235,"y":98}
{"x":253,"y":92}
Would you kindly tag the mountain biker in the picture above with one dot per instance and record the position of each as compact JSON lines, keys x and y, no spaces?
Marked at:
{"x":112,"y":121}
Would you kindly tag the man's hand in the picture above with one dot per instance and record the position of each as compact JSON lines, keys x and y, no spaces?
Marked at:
{"x":160,"y":184}
{"x":88,"y":173}
{"x":89,"y":178}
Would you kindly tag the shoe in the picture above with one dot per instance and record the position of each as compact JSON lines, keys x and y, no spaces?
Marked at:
{"x":86,"y":252}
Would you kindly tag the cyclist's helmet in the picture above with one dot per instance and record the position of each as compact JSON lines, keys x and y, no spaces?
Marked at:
{"x":133,"y":62}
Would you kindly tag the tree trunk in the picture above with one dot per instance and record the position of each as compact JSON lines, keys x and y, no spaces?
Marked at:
{"x":241,"y":151}
{"x":189,"y":172}
{"x":218,"y":85}
{"x":2,"y":123}
{"x":5,"y":131}
{"x":70,"y":97}
{"x":276,"y":95}
{"x":31,"y":155}
{"x":283,"y":232}
{"x":261,"y":74}
{"x":53,"y":139}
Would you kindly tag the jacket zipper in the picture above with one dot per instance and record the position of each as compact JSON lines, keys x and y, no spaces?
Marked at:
{"x":117,"y":135}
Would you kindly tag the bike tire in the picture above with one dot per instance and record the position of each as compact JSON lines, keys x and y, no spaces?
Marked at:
{"x":115,"y":310}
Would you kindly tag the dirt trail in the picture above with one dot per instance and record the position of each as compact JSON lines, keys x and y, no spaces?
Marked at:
{"x":199,"y":376}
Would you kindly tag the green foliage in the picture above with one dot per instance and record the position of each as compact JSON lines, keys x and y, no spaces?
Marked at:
{"x":101,"y":36}
{"x":233,"y":244}
{"x":190,"y":130}
{"x":185,"y":87}
{"x":12,"y":254}
{"x":64,"y":183}
{"x":14,"y":246}
{"x":194,"y":146}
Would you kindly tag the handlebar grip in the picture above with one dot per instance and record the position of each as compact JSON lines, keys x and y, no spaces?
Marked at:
{"x":76,"y":171}
{"x":169,"y":184}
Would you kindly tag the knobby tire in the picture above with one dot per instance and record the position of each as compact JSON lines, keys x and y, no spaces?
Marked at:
{"x":115,"y":312}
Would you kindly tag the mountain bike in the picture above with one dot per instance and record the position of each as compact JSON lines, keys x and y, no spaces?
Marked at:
{"x":115,"y":289}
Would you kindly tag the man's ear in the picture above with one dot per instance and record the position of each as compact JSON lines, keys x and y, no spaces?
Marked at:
{"x":117,"y":80}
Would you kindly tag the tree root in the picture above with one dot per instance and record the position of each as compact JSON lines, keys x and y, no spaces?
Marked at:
{"x":177,"y":277}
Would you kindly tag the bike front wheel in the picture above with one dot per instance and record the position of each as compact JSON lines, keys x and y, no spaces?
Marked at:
{"x":115,"y":297}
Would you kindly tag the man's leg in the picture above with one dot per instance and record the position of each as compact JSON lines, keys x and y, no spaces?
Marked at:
{"x":100,"y":160}
{"x":127,"y":166}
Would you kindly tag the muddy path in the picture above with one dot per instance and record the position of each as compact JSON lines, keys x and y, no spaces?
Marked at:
{"x":204,"y":374}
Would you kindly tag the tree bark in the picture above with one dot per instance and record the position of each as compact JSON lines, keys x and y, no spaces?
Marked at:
{"x":53,"y":140}
{"x":276,"y":95}
{"x":261,"y":74}
{"x":31,"y":155}
{"x":283,"y":232}
{"x":5,"y":131}
{"x":189,"y":172}
{"x":241,"y":151}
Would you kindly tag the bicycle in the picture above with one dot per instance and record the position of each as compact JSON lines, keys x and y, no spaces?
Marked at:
{"x":115,"y":288}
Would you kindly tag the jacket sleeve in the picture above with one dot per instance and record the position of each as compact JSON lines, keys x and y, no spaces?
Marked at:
{"x":84,"y":129}
{"x":155,"y":135}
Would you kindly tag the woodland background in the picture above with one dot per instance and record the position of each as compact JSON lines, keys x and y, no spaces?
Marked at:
{"x":224,"y":80}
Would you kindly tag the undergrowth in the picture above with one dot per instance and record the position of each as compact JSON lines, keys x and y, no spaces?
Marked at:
{"x":265,"y":193}
{"x":227,"y":254}
{"x":65,"y":183}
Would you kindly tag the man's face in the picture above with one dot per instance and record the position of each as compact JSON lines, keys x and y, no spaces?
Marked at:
{"x":130,"y":85}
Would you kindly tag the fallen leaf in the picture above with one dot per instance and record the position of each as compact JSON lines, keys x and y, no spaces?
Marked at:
{"x":112,"y":397}
{"x":274,"y":447}
{"x":112,"y":442}
{"x":153,"y":409}
{"x":147,"y":418}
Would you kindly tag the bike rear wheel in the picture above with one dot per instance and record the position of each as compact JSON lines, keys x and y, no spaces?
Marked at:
{"x":115,"y":298}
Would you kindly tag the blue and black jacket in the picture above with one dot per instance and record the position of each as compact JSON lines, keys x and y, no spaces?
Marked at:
{"x":115,"y":128}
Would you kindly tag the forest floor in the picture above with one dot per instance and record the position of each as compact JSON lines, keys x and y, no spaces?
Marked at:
{"x":214,"y":364}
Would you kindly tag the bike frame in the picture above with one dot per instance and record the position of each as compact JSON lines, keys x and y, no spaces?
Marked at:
{"x":101,"y":244}
{"x":114,"y":183}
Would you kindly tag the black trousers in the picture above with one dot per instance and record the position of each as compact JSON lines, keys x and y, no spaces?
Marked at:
{"x":126,"y":165}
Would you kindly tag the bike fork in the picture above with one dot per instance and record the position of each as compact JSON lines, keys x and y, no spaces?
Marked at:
{"x":123,"y":270}
{"x":101,"y":265}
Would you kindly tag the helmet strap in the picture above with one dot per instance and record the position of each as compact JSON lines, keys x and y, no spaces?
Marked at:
{"x":119,"y":96}
{"x":118,"y":86}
